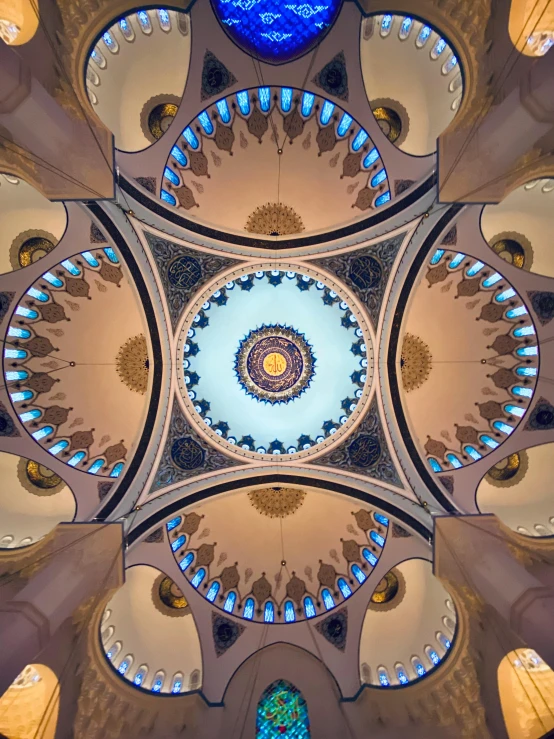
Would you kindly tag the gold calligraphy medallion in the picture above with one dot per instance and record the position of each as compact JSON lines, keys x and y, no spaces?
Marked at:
{"x":275,"y":364}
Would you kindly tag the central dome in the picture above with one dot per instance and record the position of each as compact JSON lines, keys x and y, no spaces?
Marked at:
{"x":274,"y":362}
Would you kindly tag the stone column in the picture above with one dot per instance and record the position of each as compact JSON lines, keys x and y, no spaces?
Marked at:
{"x":81,"y":563}
{"x":483,"y":559}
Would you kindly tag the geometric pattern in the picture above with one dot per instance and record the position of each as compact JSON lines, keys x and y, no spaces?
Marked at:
{"x":333,"y":78}
{"x":225,"y":633}
{"x":334,"y":628}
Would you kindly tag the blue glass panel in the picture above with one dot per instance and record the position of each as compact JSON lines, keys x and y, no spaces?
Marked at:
{"x":501,"y":426}
{"x":179,"y":156}
{"x":371,"y":157}
{"x":171,"y":176}
{"x":244,"y":102}
{"x":165,"y":22}
{"x":15,"y":353}
{"x":139,"y":677}
{"x":173,"y":523}
{"x":276,"y":32}
{"x":439,"y":47}
{"x":20,"y":396}
{"x":157,"y":686}
{"x":70,"y":267}
{"x":473,"y":453}
{"x":454,"y":461}
{"x":168,"y":197}
{"x":41,"y":433}
{"x":382,"y":199}
{"x":177,"y":685}
{"x":123,"y":667}
{"x":21,"y":333}
{"x":29,"y":415}
{"x":144,"y":20}
{"x":125,"y":28}
{"x":524,"y":392}
{"x":190,"y":137}
{"x":515,"y":312}
{"x":383,"y":679}
{"x":308,"y":99}
{"x":434,"y":657}
{"x":76,"y":458}
{"x":327,"y":599}
{"x":360,"y":139}
{"x":435,"y":466}
{"x":383,"y":520}
{"x":230,"y":602}
{"x":248,"y":609}
{"x":98,"y":58}
{"x":110,"y":253}
{"x":449,"y":65}
{"x":269,"y":612}
{"x":37,"y":294}
{"x":527,"y":351}
{"x":377,"y":538}
{"x":309,"y":608}
{"x":286,"y":98}
{"x":406,"y":27}
{"x":57,"y":448}
{"x":402,"y":677}
{"x":489,"y":441}
{"x":492,"y":280}
{"x":223,"y":110}
{"x":206,"y":122}
{"x":326,"y":112}
{"x":199,"y":576}
{"x":90,"y":259}
{"x":358,"y":573}
{"x":264,"y":95}
{"x":108,"y":39}
{"x":527,"y":371}
{"x":117,"y":470}
{"x":524,"y":331}
{"x":185,"y":563}
{"x":96,"y":466}
{"x":26,"y":312}
{"x":49,"y":277}
{"x":13,"y":375}
{"x":420,"y":669}
{"x":178,"y":543}
{"x":386,"y":23}
{"x":344,"y":588}
{"x":282,"y":713}
{"x":477,"y":267}
{"x":458,"y":259}
{"x":509,"y":293}
{"x":515,"y":410}
{"x":344,"y":124}
{"x":423,"y":35}
{"x":290,"y":615}
{"x":213,"y":591}
{"x":370,"y":557}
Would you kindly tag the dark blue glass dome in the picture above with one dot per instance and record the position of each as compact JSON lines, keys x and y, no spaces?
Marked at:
{"x":276,"y":31}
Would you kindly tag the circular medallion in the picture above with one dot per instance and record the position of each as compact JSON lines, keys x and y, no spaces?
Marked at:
{"x":364,"y":451}
{"x":184,"y":272}
{"x":187,"y":454}
{"x":274,"y":364}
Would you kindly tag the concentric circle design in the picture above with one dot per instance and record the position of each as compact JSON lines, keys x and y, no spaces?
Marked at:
{"x":274,"y":364}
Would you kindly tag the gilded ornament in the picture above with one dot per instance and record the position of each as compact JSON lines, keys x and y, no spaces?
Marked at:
{"x":171,"y":595}
{"x":38,"y":479}
{"x":509,"y":471}
{"x":160,"y":118}
{"x":274,"y":219}
{"x":277,"y":502}
{"x":389,"y":122}
{"x":389,"y":592}
{"x":132,"y":364}
{"x":415,"y":362}
{"x":33,"y":249}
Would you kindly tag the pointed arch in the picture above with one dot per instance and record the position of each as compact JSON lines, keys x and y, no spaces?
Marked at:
{"x":282,"y":709}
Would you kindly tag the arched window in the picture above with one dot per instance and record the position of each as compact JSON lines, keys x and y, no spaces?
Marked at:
{"x":140,"y":674}
{"x":269,"y":612}
{"x":432,"y":655}
{"x":144,"y":20}
{"x":370,"y":557}
{"x":190,"y":137}
{"x":96,"y":466}
{"x":213,"y":591}
{"x":177,"y":683}
{"x":158,"y":681}
{"x":230,"y":602}
{"x":366,"y":673}
{"x":76,"y":458}
{"x":358,"y":573}
{"x":125,"y":663}
{"x":173,"y":523}
{"x":383,"y":520}
{"x":290,"y":615}
{"x":449,"y":624}
{"x":401,"y":675}
{"x":57,"y":448}
{"x":164,"y":20}
{"x":178,"y":543}
{"x":282,"y":711}
{"x":309,"y":608}
{"x":168,"y":197}
{"x":419,"y":669}
{"x":383,"y":675}
{"x":41,"y":433}
{"x":113,"y":651}
{"x":377,"y":538}
{"x":386,"y":25}
{"x":248,"y":609}
{"x":454,"y":461}
{"x":542,"y":530}
{"x":327,"y":599}
{"x":107,"y":634}
{"x":243,"y":101}
{"x":116,"y":470}
{"x":6,"y":540}
{"x":194,"y":682}
{"x":185,"y":563}
{"x":197,"y":579}
{"x":344,"y":588}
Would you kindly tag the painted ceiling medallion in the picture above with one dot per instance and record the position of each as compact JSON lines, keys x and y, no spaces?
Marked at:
{"x":415,"y":362}
{"x":277,"y":502}
{"x":160,"y":118}
{"x":171,"y":595}
{"x":274,"y":364}
{"x":38,"y":479}
{"x":274,"y":219}
{"x":132,"y":364}
{"x":276,"y":32}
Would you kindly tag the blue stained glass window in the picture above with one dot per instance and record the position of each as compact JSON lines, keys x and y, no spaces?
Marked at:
{"x":21,"y":333}
{"x":524,"y":331}
{"x":213,"y":591}
{"x":501,"y":426}
{"x":168,"y":197}
{"x":383,"y":678}
{"x":382,"y":199}
{"x":264,"y":94}
{"x":223,"y":110}
{"x":435,"y":466}
{"x":327,"y":599}
{"x":449,"y":65}
{"x":454,"y":461}
{"x":98,"y":58}
{"x":269,"y":612}
{"x":326,"y":112}
{"x":26,"y":313}
{"x":57,"y":448}
{"x":308,"y":99}
{"x":290,"y":615}
{"x":163,"y":17}
{"x":377,"y":538}
{"x":509,"y":293}
{"x":515,"y":410}
{"x":360,"y":139}
{"x":438,"y":48}
{"x":458,"y":259}
{"x":386,"y":24}
{"x":19,"y":397}
{"x":157,"y":685}
{"x":125,"y":28}
{"x":527,"y":351}
{"x":344,"y":124}
{"x":309,"y":608}
{"x":358,"y":573}
{"x":527,"y":371}
{"x":370,"y":557}
{"x":515,"y":312}
{"x":423,"y":36}
{"x":405,"y":28}
{"x":190,"y":137}
{"x":177,"y":685}
{"x":37,"y":294}
{"x":477,"y":267}
{"x":117,"y":470}
{"x":15,"y":353}
{"x":41,"y":433}
{"x":383,"y":520}
{"x":282,"y":713}
{"x":473,"y":453}
{"x":144,"y":20}
{"x":49,"y":277}
{"x":29,"y":415}
{"x":173,"y":523}
{"x":492,"y":280}
{"x":230,"y":602}
{"x":489,"y":441}
{"x":344,"y":588}
{"x":13,"y":375}
{"x":70,"y":267}
{"x":434,"y":657}
{"x":524,"y":392}
{"x":286,"y":98}
{"x":139,"y":677}
{"x":90,"y":259}
{"x":179,"y":157}
{"x":110,"y":253}
{"x":206,"y":122}
{"x":419,"y":668}
{"x":96,"y":466}
{"x":401,"y":675}
{"x":123,"y":667}
{"x":371,"y":157}
{"x":110,"y":42}
{"x":199,"y":576}
{"x":244,"y":102}
{"x":178,"y":543}
{"x":76,"y":458}
{"x":171,"y":176}
{"x":248,"y":609}
{"x":185,"y":563}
